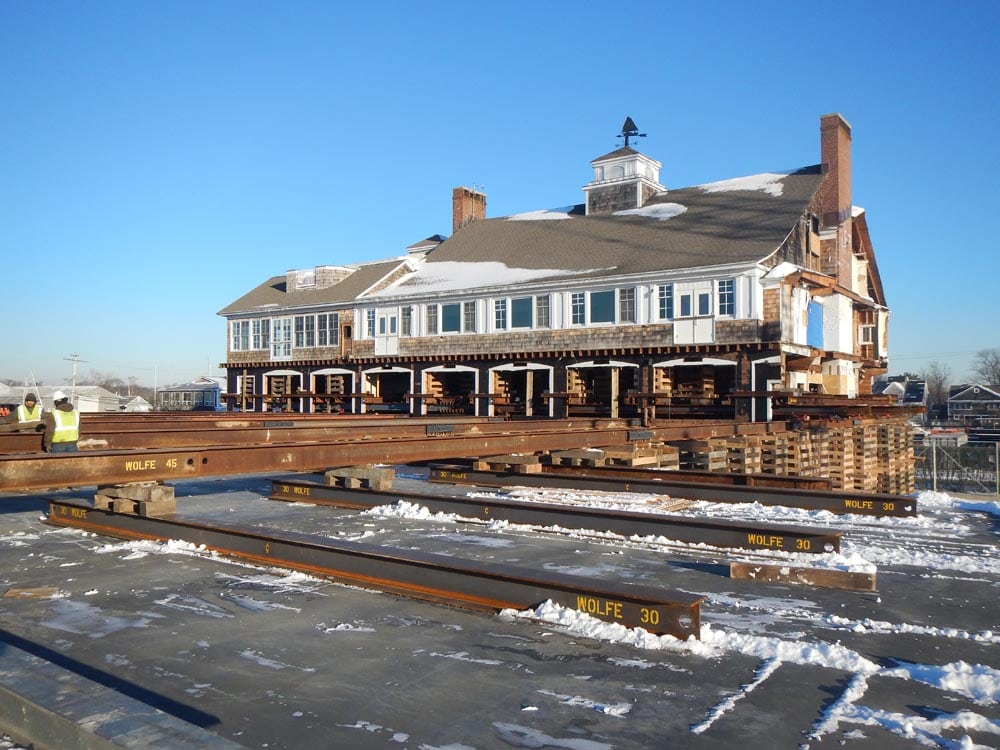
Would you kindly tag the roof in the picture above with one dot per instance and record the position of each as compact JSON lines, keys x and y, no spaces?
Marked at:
{"x":203,"y":383}
{"x":733,"y":222}
{"x":273,"y":292}
{"x":617,"y":153}
{"x":977,"y":393}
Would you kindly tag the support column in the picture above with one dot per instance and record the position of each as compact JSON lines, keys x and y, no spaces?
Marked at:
{"x":615,"y":373}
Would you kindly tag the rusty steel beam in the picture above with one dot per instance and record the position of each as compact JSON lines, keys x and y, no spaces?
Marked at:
{"x":834,"y":501}
{"x":175,"y":433}
{"x":85,"y":468}
{"x":437,"y":578}
{"x":757,"y":536}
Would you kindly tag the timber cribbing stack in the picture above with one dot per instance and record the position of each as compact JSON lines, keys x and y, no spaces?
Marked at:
{"x":867,"y":455}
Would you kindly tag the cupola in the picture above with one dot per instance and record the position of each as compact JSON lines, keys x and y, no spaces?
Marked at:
{"x":624,"y":178}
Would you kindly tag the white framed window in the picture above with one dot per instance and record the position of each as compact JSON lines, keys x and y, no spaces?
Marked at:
{"x":578,"y":308}
{"x":521,"y":312}
{"x":866,"y":335}
{"x":406,"y":321}
{"x":305,"y":331}
{"x":432,"y":320}
{"x":604,"y":306}
{"x":370,"y":323}
{"x":328,"y":329}
{"x":469,"y":317}
{"x":451,"y":317}
{"x":626,"y":305}
{"x":500,"y":314}
{"x":665,"y":301}
{"x":727,"y":297}
{"x":240,"y":335}
{"x":262,"y":334}
{"x":542,"y":311}
{"x":281,"y":338}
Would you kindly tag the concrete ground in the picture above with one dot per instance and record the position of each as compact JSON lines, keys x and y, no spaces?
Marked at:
{"x":270,"y":659}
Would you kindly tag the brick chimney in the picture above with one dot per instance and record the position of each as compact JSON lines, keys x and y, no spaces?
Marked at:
{"x":467,"y":205}
{"x":835,"y":192}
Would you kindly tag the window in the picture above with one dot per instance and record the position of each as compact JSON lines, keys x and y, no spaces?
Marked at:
{"x":602,"y":307}
{"x":578,"y":307}
{"x":370,"y":323}
{"x":626,"y":306}
{"x":451,"y":318}
{"x":704,"y":303}
{"x":305,"y":330}
{"x":685,"y":306}
{"x":500,"y":314}
{"x":262,"y":334}
{"x":328,"y":329}
{"x":866,"y":335}
{"x":727,"y":297}
{"x":281,"y":338}
{"x":520,"y":312}
{"x":406,"y":321}
{"x":432,"y":320}
{"x":666,"y":300}
{"x":469,"y":317}
{"x":241,"y":335}
{"x":542,"y":312}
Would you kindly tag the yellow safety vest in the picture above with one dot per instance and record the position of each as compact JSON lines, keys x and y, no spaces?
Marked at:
{"x":23,"y":415}
{"x":67,"y":426}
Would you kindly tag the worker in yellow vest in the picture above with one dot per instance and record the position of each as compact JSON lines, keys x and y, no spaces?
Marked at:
{"x":62,"y":425}
{"x":27,"y":416}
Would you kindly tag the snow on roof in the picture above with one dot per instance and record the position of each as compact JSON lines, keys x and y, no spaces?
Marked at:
{"x":450,"y":275}
{"x":660,"y":211}
{"x":768,"y":182}
{"x":545,"y":214}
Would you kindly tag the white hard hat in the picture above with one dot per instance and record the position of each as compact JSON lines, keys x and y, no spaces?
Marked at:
{"x":59,"y":396}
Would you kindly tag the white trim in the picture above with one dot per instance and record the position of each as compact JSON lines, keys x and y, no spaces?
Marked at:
{"x":511,"y":367}
{"x":282,"y":372}
{"x":333,"y":371}
{"x":610,"y":363}
{"x":452,"y":368}
{"x":379,"y":369}
{"x":690,"y":363}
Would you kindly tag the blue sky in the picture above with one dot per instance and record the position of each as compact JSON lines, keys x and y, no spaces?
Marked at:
{"x":160,"y":159}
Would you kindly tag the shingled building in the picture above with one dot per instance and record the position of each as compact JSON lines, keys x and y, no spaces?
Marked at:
{"x":697,"y":299}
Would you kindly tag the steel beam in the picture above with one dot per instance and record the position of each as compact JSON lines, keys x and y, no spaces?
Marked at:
{"x":85,"y":468}
{"x":839,"y":501}
{"x":756,"y":536}
{"x":421,"y":575}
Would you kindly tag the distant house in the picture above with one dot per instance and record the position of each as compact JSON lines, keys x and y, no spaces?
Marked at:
{"x":906,"y":390}
{"x":201,"y":394}
{"x":86,"y":398}
{"x":916,"y":392}
{"x":893,"y":387}
{"x":136,"y":404}
{"x":975,"y":405}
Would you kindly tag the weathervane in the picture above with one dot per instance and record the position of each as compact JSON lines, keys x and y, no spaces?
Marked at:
{"x":629,"y":130}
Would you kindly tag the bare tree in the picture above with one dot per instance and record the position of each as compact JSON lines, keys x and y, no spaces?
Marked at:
{"x":986,"y":366}
{"x":937,"y":377}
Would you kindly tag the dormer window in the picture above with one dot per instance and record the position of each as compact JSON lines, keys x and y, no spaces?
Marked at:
{"x":305,"y":279}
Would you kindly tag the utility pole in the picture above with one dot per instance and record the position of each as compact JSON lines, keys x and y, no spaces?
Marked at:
{"x":75,"y":359}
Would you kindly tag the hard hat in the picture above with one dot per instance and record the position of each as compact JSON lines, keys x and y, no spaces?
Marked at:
{"x":59,"y":396}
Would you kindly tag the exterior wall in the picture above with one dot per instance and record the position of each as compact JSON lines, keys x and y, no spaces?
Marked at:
{"x":838,"y":318}
{"x":610,"y":198}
